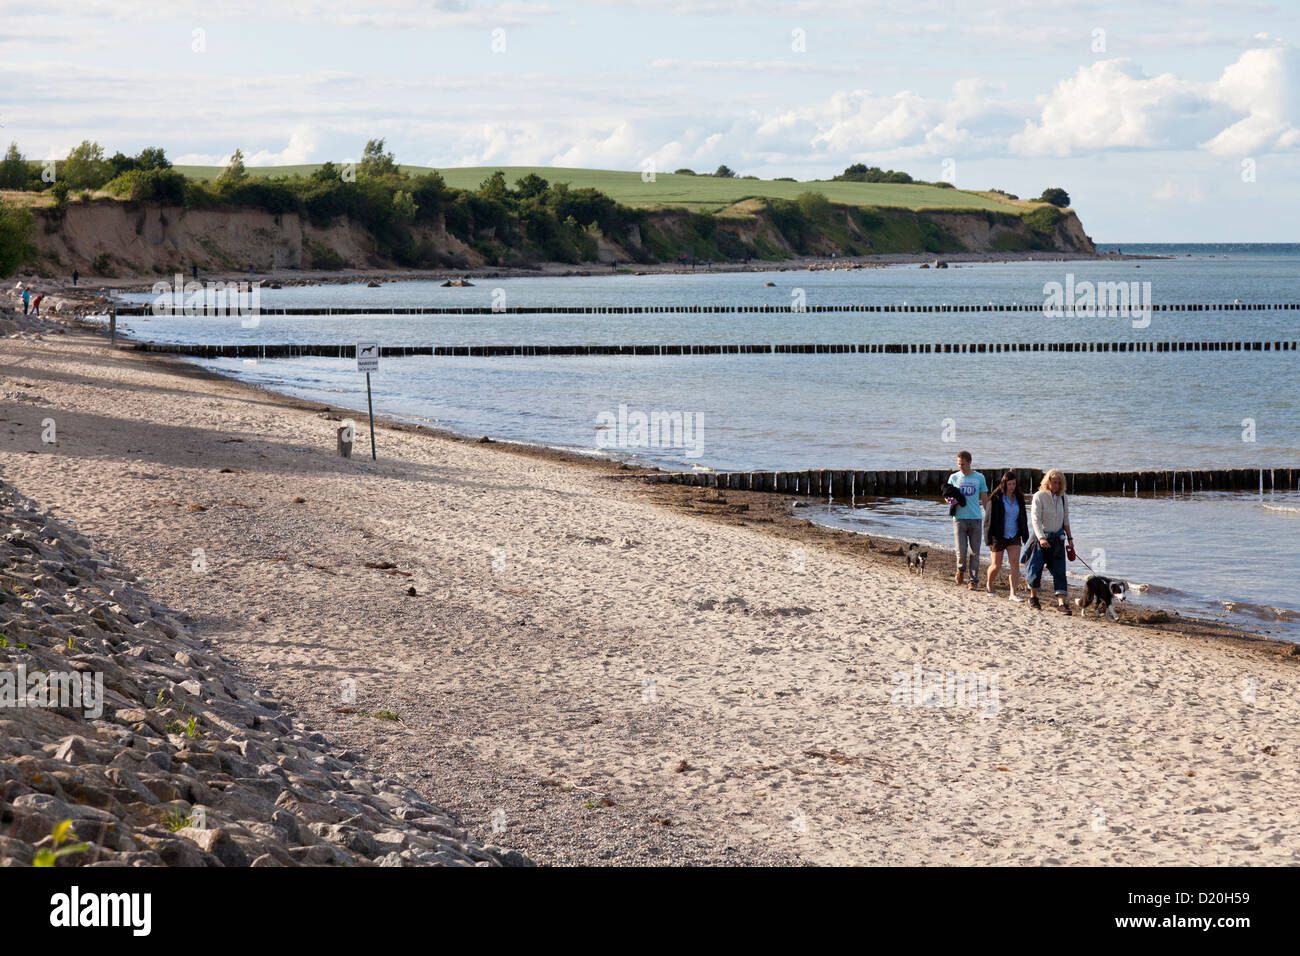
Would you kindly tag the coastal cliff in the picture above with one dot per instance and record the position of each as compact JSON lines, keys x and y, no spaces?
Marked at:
{"x":125,"y":239}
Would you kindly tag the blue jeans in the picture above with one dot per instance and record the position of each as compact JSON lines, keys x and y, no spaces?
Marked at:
{"x":1056,"y":550}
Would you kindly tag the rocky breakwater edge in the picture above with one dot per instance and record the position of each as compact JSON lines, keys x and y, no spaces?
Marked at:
{"x":167,"y":756}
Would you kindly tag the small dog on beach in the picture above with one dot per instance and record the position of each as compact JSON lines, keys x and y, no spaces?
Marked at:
{"x":916,"y":559}
{"x":1102,"y":591}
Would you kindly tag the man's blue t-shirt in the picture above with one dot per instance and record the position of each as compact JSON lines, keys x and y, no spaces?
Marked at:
{"x":972,"y":486}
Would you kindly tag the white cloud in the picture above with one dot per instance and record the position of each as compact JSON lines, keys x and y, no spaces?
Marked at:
{"x":619,"y":148}
{"x":300,"y":149}
{"x":1113,"y":104}
{"x":1265,"y":85}
{"x":895,"y":126}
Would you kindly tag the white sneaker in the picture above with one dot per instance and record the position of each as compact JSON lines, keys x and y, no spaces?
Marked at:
{"x":1016,"y":599}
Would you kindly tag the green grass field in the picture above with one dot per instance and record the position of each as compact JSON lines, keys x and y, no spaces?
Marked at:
{"x":702,"y":193}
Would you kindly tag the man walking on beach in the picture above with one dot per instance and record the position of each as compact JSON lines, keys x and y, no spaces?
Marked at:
{"x":27,"y":300}
{"x":968,"y":519}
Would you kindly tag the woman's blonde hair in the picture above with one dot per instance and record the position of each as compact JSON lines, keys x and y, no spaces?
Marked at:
{"x":1046,"y":483}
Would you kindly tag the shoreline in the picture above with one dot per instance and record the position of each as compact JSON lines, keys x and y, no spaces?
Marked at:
{"x":1151,"y":612}
{"x":767,"y":507}
{"x":1147,"y":613}
{"x":644,"y":678}
{"x":94,"y":291}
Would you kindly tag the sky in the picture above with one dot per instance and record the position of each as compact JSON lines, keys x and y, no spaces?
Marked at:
{"x":1169,"y":120}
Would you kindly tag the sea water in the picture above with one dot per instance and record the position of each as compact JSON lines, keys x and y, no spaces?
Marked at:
{"x":1233,"y":555}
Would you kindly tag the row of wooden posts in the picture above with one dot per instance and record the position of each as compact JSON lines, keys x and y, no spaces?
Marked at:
{"x":847,"y":484}
{"x":200,"y":310}
{"x":264,"y":351}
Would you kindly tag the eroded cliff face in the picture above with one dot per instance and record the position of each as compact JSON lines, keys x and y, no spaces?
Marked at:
{"x":144,"y":239}
{"x":980,"y":232}
{"x":754,"y":228}
{"x":147,"y":239}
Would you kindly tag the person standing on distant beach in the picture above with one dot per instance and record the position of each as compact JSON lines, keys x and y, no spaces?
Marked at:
{"x":1007,"y":529}
{"x":27,"y":300}
{"x":36,"y":304}
{"x":968,"y":518}
{"x":75,"y":276}
{"x":1049,"y":518}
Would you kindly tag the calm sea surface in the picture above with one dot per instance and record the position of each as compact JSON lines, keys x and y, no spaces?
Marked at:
{"x":1231,"y":555}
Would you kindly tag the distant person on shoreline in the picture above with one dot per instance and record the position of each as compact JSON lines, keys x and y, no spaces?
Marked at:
{"x":1049,"y":518}
{"x":36,"y":304}
{"x":75,"y":276}
{"x":968,"y":518}
{"x":1006,"y":531}
{"x":27,"y":300}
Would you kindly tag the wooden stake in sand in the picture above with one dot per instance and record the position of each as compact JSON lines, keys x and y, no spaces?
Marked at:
{"x":368,"y":361}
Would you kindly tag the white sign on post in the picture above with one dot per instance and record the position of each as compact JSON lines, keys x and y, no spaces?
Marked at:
{"x":367,"y":356}
{"x":368,"y":361}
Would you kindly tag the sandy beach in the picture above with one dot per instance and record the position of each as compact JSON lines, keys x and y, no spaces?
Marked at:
{"x":605,"y":672}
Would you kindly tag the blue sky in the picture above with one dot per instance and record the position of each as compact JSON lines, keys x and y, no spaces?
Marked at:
{"x":1179,"y":120}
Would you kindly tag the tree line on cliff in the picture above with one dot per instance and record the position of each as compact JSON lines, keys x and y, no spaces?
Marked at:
{"x":532,"y":220}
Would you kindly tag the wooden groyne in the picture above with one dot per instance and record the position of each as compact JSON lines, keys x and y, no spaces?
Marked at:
{"x":199,"y":311}
{"x":348,"y":350}
{"x":849,"y":484}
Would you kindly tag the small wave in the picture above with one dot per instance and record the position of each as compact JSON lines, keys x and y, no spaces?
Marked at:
{"x":1263,"y":612}
{"x":1158,"y":589}
{"x":1283,"y":509}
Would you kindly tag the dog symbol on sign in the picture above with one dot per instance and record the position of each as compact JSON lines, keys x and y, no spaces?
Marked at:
{"x":367,"y":356}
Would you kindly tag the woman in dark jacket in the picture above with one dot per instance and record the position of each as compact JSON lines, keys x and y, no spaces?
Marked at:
{"x":1006,"y":529}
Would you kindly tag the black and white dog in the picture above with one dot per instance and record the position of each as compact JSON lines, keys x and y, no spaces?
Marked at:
{"x":916,"y":559}
{"x":1102,"y":591}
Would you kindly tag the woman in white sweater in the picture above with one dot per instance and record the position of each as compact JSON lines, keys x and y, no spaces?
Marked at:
{"x":1049,"y":521}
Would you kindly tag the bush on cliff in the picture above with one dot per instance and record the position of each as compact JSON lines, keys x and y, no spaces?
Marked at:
{"x":861,"y":173}
{"x":17,"y":227}
{"x":157,"y":185}
{"x":85,"y":167}
{"x":1056,"y":196}
{"x":14,"y":171}
{"x":1043,"y":220}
